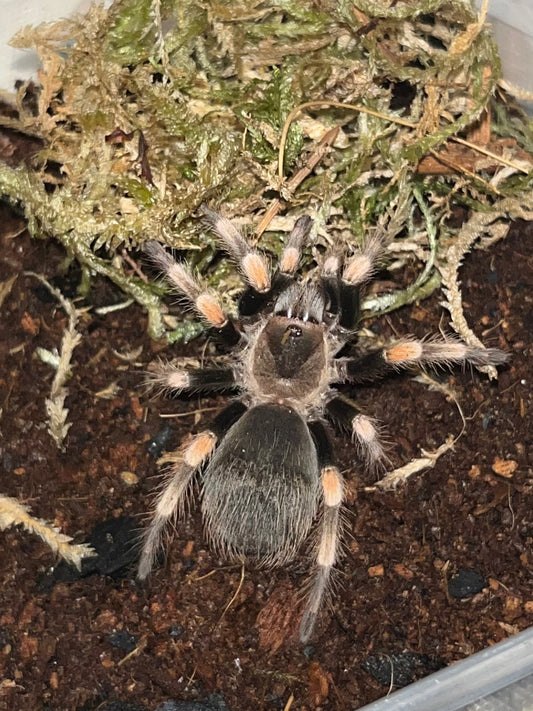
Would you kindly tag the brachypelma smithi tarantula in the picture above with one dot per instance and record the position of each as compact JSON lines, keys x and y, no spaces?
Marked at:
{"x":266,"y":464}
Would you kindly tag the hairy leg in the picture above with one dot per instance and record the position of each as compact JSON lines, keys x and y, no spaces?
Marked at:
{"x":327,"y":549}
{"x":167,"y":376}
{"x":170,"y":500}
{"x":252,"y":301}
{"x":172,"y":497}
{"x":410,"y":352}
{"x":203,"y":300}
{"x":343,"y":281}
{"x":347,"y":416}
{"x":252,"y":263}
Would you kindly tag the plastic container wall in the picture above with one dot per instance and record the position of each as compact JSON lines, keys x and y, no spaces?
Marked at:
{"x":498,"y":678}
{"x":512,"y":23}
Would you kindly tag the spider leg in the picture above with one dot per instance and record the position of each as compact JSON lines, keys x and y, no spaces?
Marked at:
{"x":331,"y":284}
{"x":171,"y":498}
{"x":409,"y":352}
{"x":344,"y":413}
{"x":343,"y":283}
{"x":167,"y":376}
{"x":326,"y":552}
{"x":204,"y":301}
{"x":251,"y":262}
{"x":290,"y":258}
{"x":253,"y":301}
{"x":173,"y":495}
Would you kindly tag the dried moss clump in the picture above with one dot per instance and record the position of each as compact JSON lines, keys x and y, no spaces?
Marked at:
{"x":150,"y":108}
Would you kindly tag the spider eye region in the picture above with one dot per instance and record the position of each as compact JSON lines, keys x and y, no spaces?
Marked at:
{"x":291,"y":345}
{"x":292,"y":331}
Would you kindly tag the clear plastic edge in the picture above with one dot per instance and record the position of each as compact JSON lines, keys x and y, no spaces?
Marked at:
{"x":476,"y":677}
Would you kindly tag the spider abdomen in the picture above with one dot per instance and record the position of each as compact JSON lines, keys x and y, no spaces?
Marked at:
{"x":261,"y":487}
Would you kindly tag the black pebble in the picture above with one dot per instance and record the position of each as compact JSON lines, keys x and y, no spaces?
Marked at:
{"x":466,"y":582}
{"x":402,"y":669}
{"x":309,"y":651}
{"x":176,"y":631}
{"x":157,"y":444}
{"x":123,"y":640}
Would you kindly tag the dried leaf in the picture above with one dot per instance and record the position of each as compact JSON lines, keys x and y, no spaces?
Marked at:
{"x":319,"y":682}
{"x":13,"y":513}
{"x":278,"y":620}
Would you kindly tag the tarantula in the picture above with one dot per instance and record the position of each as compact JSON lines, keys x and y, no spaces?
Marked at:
{"x":266,"y":463}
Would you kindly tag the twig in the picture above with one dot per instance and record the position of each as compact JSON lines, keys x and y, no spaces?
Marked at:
{"x":391,"y":480}
{"x":327,"y":139}
{"x":490,"y":154}
{"x":386,"y":117}
{"x":233,"y":598}
{"x":175,"y":415}
{"x":461,"y":169}
{"x":135,"y":652}
{"x":338,"y":104}
{"x":289,"y":703}
{"x":464,"y":240}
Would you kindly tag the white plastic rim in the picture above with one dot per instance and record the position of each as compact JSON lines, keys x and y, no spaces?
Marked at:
{"x":512,"y":22}
{"x":515,"y":13}
{"x":16,"y":14}
{"x":512,"y":25}
{"x":506,"y":665}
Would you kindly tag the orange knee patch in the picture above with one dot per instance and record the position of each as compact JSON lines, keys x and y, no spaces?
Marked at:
{"x":199,"y":449}
{"x":331,"y":266}
{"x":358,"y":269}
{"x":211,"y":310}
{"x":256,"y":272}
{"x":406,"y":351}
{"x":332,"y":486}
{"x":289,"y":260}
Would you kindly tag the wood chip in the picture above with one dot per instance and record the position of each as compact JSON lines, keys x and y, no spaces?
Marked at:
{"x":129,"y":478}
{"x":474,"y":472}
{"x":5,"y":288}
{"x":403,"y":571}
{"x":29,"y":324}
{"x":504,"y":467}
{"x":318,"y":684}
{"x":376,"y":571}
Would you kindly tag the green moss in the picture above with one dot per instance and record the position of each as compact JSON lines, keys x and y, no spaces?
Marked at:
{"x":209,"y":85}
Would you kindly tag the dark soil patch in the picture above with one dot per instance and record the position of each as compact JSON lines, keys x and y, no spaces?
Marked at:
{"x":69,"y":643}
